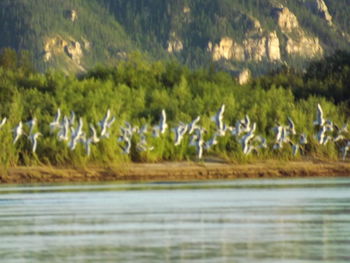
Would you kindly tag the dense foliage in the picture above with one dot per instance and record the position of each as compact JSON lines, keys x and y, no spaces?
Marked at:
{"x":115,"y":27}
{"x":136,"y":91}
{"x":328,"y":77}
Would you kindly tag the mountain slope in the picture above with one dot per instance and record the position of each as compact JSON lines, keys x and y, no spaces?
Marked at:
{"x":233,"y":34}
{"x":70,"y":35}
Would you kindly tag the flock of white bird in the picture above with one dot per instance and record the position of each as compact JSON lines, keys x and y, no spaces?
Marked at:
{"x":71,"y":131}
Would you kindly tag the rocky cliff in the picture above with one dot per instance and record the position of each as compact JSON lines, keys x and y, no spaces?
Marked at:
{"x":265,"y":45}
{"x":76,"y":35}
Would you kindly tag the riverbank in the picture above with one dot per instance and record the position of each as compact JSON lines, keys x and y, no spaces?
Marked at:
{"x":174,"y":171}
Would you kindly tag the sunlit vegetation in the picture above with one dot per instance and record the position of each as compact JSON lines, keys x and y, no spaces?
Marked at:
{"x":136,"y":91}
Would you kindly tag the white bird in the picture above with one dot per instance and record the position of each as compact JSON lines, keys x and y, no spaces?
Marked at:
{"x":262,"y":141}
{"x":142,"y":146}
{"x":199,"y":142}
{"x":295,"y":148}
{"x":285,"y":135}
{"x":161,"y":127}
{"x":105,"y":118}
{"x":344,"y":129}
{"x":218,"y":118}
{"x":32,"y":123}
{"x":127,"y":147}
{"x":77,"y":134}
{"x":245,"y":124}
{"x":199,"y":148}
{"x":155,"y":132}
{"x":344,"y":150}
{"x":143,"y":130}
{"x":249,"y":149}
{"x":63,"y":134}
{"x":179,"y":133}
{"x":238,"y":129}
{"x":162,"y":123}
{"x":2,"y":123}
{"x":278,"y":131}
{"x":55,"y":124}
{"x":278,"y":145}
{"x":93,"y":138}
{"x":18,"y":132}
{"x":291,"y":126}
{"x":246,"y":139}
{"x":340,"y":133}
{"x":105,"y":124}
{"x":319,"y":118}
{"x":303,"y":139}
{"x":72,"y":118}
{"x":211,"y":142}
{"x":193,"y":125}
{"x":339,"y":137}
{"x":33,"y":138}
{"x":321,"y":137}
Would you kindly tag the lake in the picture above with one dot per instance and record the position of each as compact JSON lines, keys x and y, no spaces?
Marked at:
{"x":279,"y":220}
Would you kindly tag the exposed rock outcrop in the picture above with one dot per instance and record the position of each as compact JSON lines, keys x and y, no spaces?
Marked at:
{"x":186,"y":10}
{"x":252,"y":49}
{"x":304,"y":46}
{"x":58,"y":46}
{"x":320,"y":8}
{"x":174,"y":45}
{"x":53,"y":46}
{"x":298,"y":42}
{"x":74,"y":51}
{"x":227,"y":48}
{"x":244,"y":76}
{"x":273,"y":51}
{"x":72,"y":15}
{"x":285,"y":19}
{"x":323,"y":11}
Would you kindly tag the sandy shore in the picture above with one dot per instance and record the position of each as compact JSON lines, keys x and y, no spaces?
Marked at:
{"x":174,"y":171}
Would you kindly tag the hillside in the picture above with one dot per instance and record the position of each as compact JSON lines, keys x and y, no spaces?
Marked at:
{"x":233,"y":34}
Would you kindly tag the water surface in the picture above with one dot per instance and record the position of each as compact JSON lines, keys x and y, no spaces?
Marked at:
{"x":298,"y":220}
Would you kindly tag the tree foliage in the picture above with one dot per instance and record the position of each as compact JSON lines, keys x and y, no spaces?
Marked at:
{"x":136,"y":91}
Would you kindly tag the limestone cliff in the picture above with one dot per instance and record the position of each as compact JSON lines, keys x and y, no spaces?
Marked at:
{"x":285,"y":19}
{"x":320,"y":8}
{"x":298,"y":41}
{"x":254,"y":48}
{"x":174,"y":44}
{"x":67,"y":49}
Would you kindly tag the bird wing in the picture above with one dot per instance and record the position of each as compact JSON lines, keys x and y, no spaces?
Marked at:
{"x":319,"y":114}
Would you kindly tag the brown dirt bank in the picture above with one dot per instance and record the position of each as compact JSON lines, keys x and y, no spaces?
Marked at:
{"x":173,"y":171}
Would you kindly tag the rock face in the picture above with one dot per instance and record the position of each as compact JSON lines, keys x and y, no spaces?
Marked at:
{"x":244,"y":76}
{"x":254,"y":48}
{"x":74,"y":51}
{"x":304,"y":46}
{"x":72,"y":15}
{"x":323,"y":11}
{"x":174,"y":45}
{"x":53,"y":46}
{"x":286,"y":20}
{"x":320,"y":8}
{"x":226,"y":49}
{"x":273,"y":51}
{"x":298,"y":42}
{"x":69,"y":49}
{"x":260,"y":45}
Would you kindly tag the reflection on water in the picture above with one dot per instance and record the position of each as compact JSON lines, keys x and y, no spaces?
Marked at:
{"x":299,"y":220}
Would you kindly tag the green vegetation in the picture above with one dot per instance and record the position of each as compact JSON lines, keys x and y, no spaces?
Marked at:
{"x":109,"y":30}
{"x":137,"y":91}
